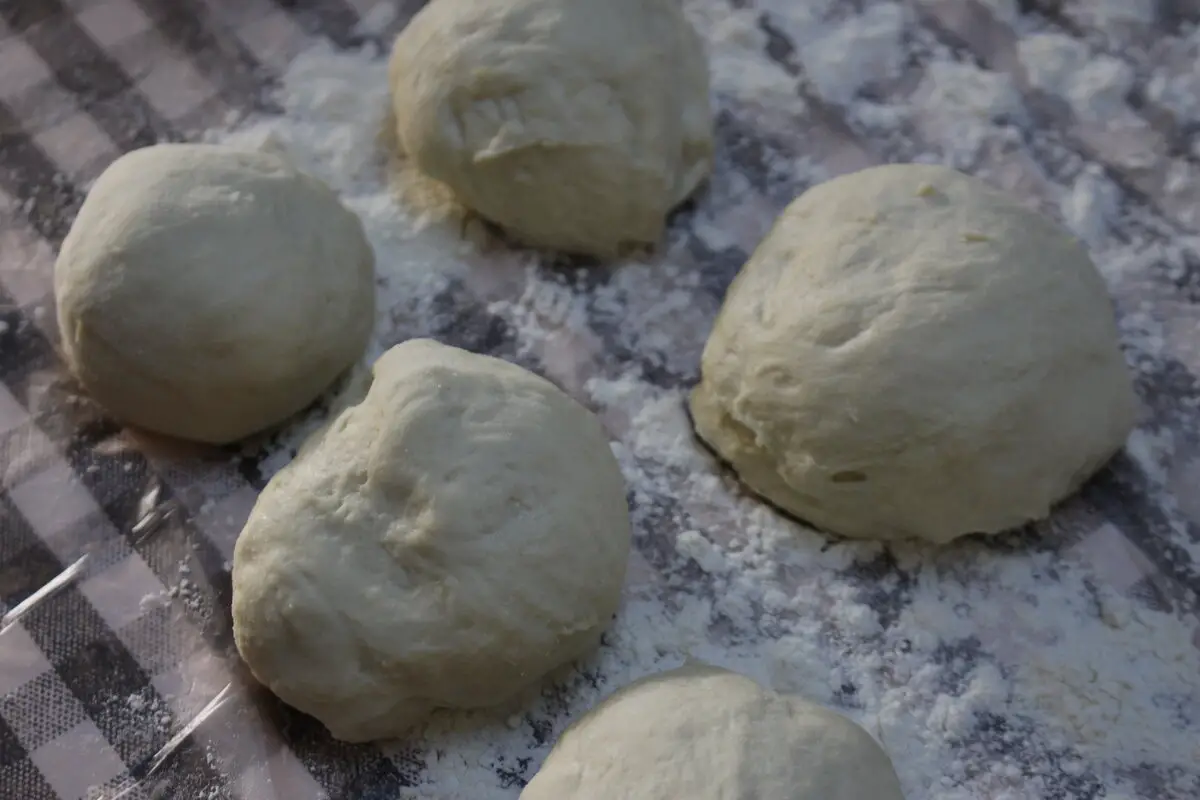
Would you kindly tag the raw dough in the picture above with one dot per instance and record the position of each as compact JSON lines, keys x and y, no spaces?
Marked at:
{"x":573,"y":124}
{"x":704,"y":733}
{"x":444,"y":543}
{"x":208,"y":293}
{"x":910,"y":353}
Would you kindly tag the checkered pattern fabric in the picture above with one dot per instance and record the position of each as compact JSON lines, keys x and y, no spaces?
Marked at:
{"x":117,"y":674}
{"x":118,"y":677}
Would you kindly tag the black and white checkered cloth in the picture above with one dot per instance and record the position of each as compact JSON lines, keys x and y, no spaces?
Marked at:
{"x":118,"y":677}
{"x":90,"y":670}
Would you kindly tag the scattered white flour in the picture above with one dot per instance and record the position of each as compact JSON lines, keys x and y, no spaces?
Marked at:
{"x":378,"y":19}
{"x":1002,"y":10}
{"x":960,"y":87}
{"x":855,"y":52}
{"x":987,"y":674}
{"x":1050,"y":60}
{"x":1100,"y":88}
{"x":962,"y":105}
{"x":1094,"y":86}
{"x":1111,"y":15}
{"x":1174,"y":84}
{"x":802,"y":22}
{"x":735,"y":64}
{"x":1090,"y":205}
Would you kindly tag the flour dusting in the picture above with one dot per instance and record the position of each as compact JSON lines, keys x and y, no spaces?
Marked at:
{"x":1031,"y":667}
{"x":856,"y":52}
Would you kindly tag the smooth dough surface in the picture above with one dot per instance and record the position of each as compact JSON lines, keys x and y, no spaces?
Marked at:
{"x":208,"y":293}
{"x":705,"y":733}
{"x":912,"y":354}
{"x":443,"y":544}
{"x":573,"y":124}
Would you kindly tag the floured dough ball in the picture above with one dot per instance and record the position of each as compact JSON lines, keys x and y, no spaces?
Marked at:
{"x":443,"y":544}
{"x":912,"y":354}
{"x":704,"y":733}
{"x":208,"y":293}
{"x":573,"y":124}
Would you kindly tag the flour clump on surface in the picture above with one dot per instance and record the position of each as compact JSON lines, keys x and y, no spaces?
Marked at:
{"x":911,"y":354}
{"x":572,"y":124}
{"x":443,"y":544}
{"x":208,"y":293}
{"x":706,"y":733}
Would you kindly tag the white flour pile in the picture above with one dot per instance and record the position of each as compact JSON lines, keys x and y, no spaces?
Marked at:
{"x":986,"y":673}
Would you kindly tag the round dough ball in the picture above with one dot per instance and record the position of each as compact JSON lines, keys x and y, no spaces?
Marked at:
{"x":443,"y":544}
{"x":911,"y":354}
{"x":208,"y":293}
{"x":704,"y":733}
{"x":573,"y":124}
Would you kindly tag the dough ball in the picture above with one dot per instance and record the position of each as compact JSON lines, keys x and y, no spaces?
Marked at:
{"x":573,"y":124}
{"x":208,"y":293}
{"x":443,"y":544}
{"x":704,"y":733}
{"x":911,"y":354}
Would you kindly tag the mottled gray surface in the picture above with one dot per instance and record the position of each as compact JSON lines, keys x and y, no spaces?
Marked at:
{"x":95,"y":683}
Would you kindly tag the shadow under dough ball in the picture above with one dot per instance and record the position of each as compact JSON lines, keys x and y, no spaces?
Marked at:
{"x":208,"y":293}
{"x":572,"y":124}
{"x":910,"y":353}
{"x":445,"y":543}
{"x":705,"y":733}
